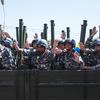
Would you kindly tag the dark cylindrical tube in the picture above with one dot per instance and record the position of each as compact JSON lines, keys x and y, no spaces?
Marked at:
{"x":17,"y":34}
{"x":52,"y":32}
{"x":20,"y":38}
{"x":20,"y":33}
{"x":90,"y":32}
{"x":24,"y":34}
{"x":45,"y":31}
{"x":81,"y":35}
{"x":68,"y":32}
{"x":42,"y":35}
{"x":83,"y":31}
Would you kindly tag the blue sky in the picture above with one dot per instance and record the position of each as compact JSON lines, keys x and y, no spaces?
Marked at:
{"x":66,"y":13}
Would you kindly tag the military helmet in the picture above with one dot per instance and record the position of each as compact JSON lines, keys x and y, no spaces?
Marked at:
{"x":72,"y":42}
{"x":34,"y":42}
{"x":96,"y":42}
{"x":7,"y":42}
{"x":60,"y":42}
{"x":42,"y":42}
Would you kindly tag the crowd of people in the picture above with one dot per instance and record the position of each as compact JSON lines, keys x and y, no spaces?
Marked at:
{"x":64,"y":55}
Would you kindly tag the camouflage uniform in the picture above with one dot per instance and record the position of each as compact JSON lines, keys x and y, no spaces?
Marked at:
{"x":27,"y":55}
{"x":38,"y":60}
{"x":88,"y":57}
{"x":89,"y":42}
{"x":7,"y":61}
{"x":66,"y":61}
{"x":8,"y":42}
{"x":91,"y":57}
{"x":97,"y":66}
{"x":42,"y":61}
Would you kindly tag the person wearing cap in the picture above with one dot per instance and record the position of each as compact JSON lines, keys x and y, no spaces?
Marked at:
{"x":69,"y":59}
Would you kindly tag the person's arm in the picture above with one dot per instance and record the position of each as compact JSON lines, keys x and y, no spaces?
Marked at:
{"x":88,"y":43}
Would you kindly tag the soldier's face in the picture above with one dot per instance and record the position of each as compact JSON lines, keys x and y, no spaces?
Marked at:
{"x":4,"y":36}
{"x":61,"y":46}
{"x":34,"y":45}
{"x":97,"y":48}
{"x":68,"y":46}
{"x":40,"y":48}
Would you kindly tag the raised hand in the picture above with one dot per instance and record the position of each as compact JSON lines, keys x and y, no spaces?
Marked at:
{"x":94,"y":31}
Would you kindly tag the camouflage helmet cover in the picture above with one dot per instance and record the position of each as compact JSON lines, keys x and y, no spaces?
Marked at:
{"x":96,"y":42}
{"x":42,"y":42}
{"x":72,"y":42}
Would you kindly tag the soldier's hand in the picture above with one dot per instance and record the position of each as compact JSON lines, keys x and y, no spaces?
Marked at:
{"x":15,"y":45}
{"x":2,"y":47}
{"x":94,"y":31}
{"x":76,"y":57}
{"x":26,"y":45}
{"x":56,"y":51}
{"x":55,"y":43}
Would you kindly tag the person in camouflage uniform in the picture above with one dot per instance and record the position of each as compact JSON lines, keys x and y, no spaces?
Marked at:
{"x":42,"y":58}
{"x":58,"y":47}
{"x":89,"y":41}
{"x":6,"y":59}
{"x":27,"y":54}
{"x":68,"y":59}
{"x":91,"y":57}
{"x":89,"y":52}
{"x":97,"y":53}
{"x":8,"y":42}
{"x":88,"y":55}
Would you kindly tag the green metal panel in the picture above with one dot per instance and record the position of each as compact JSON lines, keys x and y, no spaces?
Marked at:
{"x":11,"y":85}
{"x":56,"y":85}
{"x":49,"y":85}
